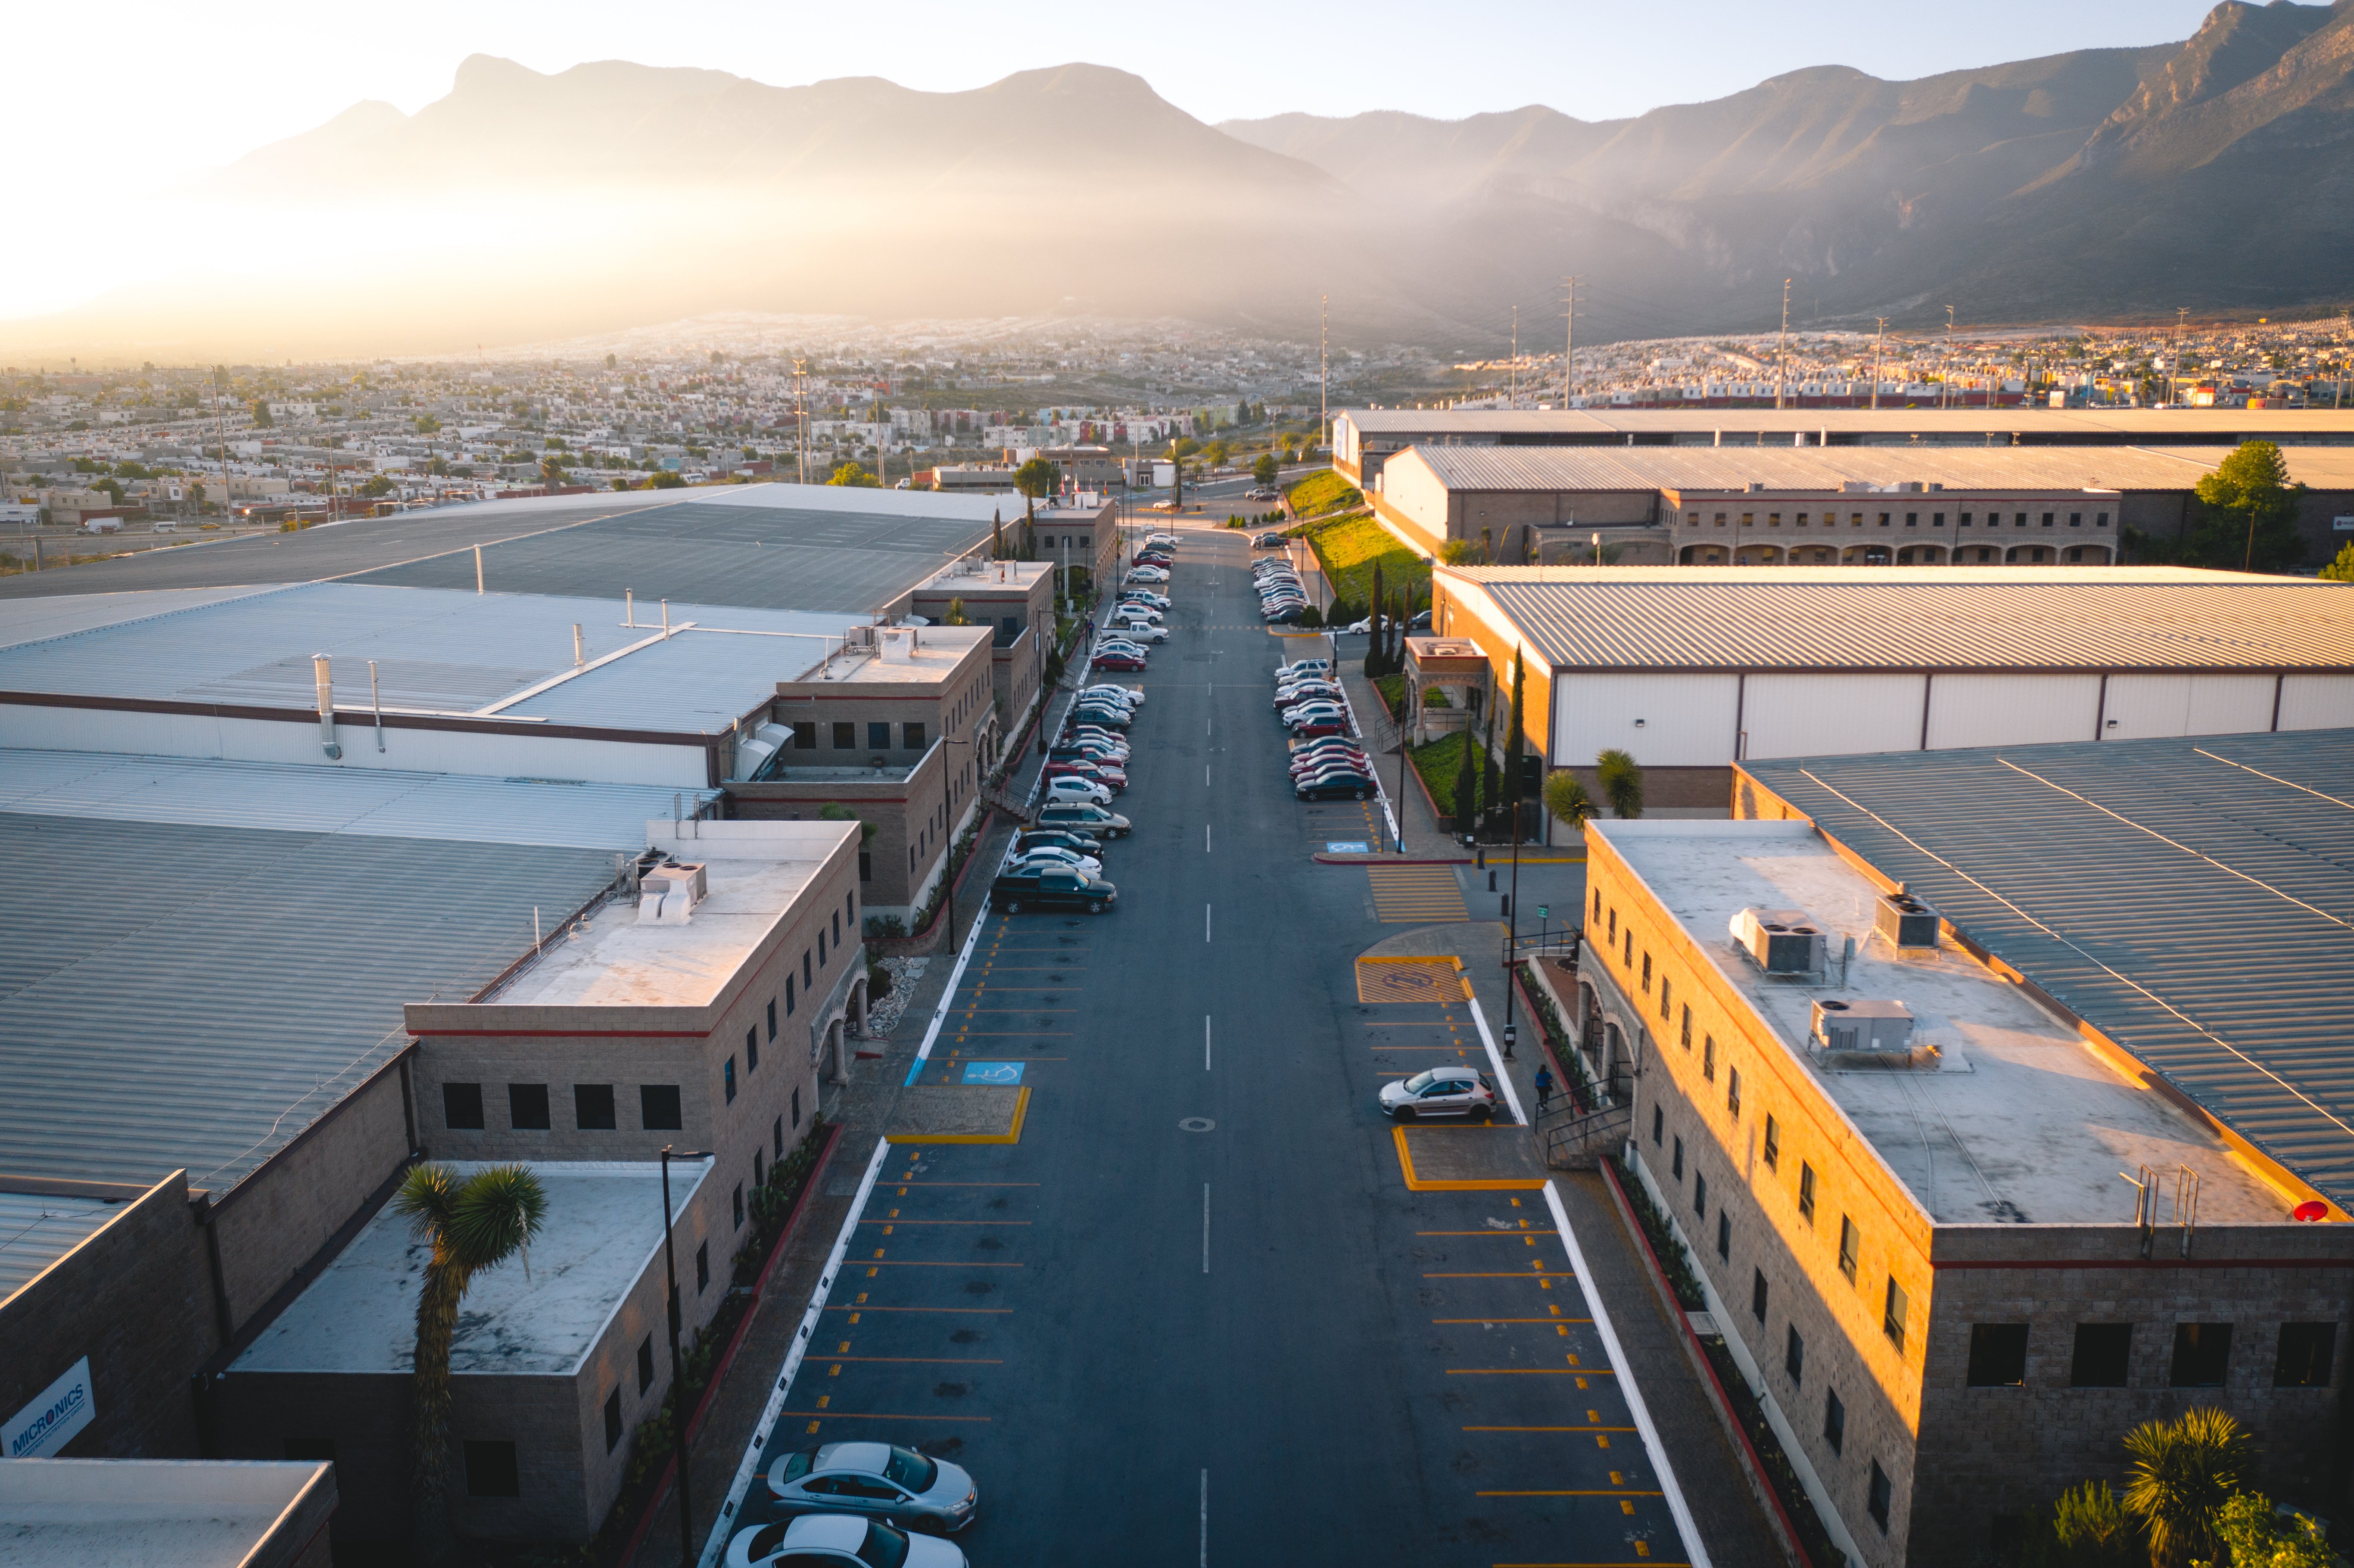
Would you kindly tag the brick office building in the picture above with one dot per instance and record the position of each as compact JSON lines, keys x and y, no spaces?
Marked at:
{"x":1898,"y":1173}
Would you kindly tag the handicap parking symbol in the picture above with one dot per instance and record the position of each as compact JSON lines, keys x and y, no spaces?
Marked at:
{"x":993,"y":1072}
{"x":1346,"y":847}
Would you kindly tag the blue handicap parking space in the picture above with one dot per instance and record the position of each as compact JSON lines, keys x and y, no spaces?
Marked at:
{"x":993,"y":1072}
{"x":1346,"y":847}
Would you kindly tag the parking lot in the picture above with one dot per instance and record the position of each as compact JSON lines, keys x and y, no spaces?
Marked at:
{"x":1196,"y":1313}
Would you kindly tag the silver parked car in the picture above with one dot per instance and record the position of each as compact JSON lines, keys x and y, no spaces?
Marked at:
{"x":879,"y":1479}
{"x":1441,"y":1091}
{"x":835,"y":1540}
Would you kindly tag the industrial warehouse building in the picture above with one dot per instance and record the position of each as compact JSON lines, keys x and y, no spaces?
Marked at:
{"x":1691,"y":669}
{"x":1981,"y":1157}
{"x":440,"y":859}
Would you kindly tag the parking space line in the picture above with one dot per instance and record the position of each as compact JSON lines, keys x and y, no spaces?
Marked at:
{"x":863,"y":1308}
{"x":1604,"y":1492}
{"x":1548,"y":1429}
{"x":1530,"y":1372}
{"x":926,"y":1361}
{"x":877,"y":1415}
{"x":1483,"y":1322}
{"x":1417,"y":1184}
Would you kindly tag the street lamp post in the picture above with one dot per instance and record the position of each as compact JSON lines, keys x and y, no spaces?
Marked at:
{"x":1405,"y":738}
{"x":677,"y":1377}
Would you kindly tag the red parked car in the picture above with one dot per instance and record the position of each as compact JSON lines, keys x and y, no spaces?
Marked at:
{"x":1103,"y":773}
{"x":1119,"y":662}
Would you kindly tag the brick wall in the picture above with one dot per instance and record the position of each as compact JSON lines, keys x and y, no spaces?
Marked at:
{"x":136,"y":1299}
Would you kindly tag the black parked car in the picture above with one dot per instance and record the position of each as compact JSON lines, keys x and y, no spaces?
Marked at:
{"x":1053,"y":890}
{"x":1336,"y":787}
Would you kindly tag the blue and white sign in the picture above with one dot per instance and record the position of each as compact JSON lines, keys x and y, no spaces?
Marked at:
{"x":993,"y":1072}
{"x":1346,"y":847}
{"x":50,"y":1423}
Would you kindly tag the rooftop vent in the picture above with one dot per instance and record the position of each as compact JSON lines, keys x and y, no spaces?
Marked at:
{"x":1905,"y":922}
{"x":899,"y":643}
{"x":1881,"y":1028}
{"x":858,"y":638}
{"x":668,"y":894}
{"x":1781,"y":941}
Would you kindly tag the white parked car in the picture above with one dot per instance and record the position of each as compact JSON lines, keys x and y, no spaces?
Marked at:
{"x":1068,"y":860}
{"x":1441,"y":1091}
{"x":1064,"y":790}
{"x":1141,"y":630}
{"x":1147,"y":575}
{"x":838,"y":1541}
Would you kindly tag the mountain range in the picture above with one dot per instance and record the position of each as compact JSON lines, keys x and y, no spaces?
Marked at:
{"x":2214,"y":174}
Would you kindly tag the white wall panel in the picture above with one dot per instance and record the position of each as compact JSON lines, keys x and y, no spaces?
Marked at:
{"x":1832,"y":716}
{"x":2317,"y":702}
{"x":2011,"y":710}
{"x":2145,"y":707}
{"x":492,"y":756}
{"x":1687,"y":720}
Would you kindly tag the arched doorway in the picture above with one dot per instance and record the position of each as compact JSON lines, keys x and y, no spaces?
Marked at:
{"x":834,"y":1059}
{"x":1758,"y":556}
{"x":2030,"y":554}
{"x":1921,"y":556}
{"x":1867,"y":555}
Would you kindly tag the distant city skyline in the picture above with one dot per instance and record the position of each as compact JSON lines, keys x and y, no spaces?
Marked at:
{"x":170,"y":92}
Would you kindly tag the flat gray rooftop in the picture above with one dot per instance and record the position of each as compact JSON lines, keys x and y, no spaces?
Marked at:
{"x":2191,"y":899}
{"x":159,"y":1513}
{"x":603,"y":1227}
{"x":2020,"y":1122}
{"x":206,"y":958}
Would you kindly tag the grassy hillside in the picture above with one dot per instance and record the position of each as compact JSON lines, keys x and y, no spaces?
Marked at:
{"x":1322,"y":492}
{"x":1349,"y":547}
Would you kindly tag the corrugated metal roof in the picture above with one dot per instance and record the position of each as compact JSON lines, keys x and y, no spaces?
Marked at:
{"x":2045,"y":424}
{"x":368,"y":802}
{"x":176,"y":995}
{"x":1827,"y":468}
{"x":436,"y":649}
{"x":34,"y":1232}
{"x":773,"y":557}
{"x":2192,"y":899}
{"x":1961,"y":618}
{"x":30,"y":619}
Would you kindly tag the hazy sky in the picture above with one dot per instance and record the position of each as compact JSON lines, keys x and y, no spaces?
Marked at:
{"x":119,"y":97}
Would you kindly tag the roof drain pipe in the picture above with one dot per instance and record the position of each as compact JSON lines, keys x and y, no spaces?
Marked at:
{"x":326,"y":708}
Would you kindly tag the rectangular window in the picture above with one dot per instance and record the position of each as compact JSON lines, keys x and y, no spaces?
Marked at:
{"x":1912,"y":520}
{"x":797,"y":1114}
{"x":727,"y":1079}
{"x":736,"y":1204}
{"x":777,"y":1132}
{"x":1834,"y":1421}
{"x":1687,"y":1027}
{"x":1700,"y":1194}
{"x":645,"y":1363}
{"x":1794,"y":1355}
{"x":1937,"y":520}
{"x":845,"y":737}
{"x":527,"y":1106}
{"x":2102,"y":1357}
{"x":2307,"y":1350}
{"x":2100,"y":520}
{"x":1806,"y":1192}
{"x":1964,"y":521}
{"x":658,"y":1107}
{"x":1998,"y":1355}
{"x":1891,"y":1315}
{"x":491,"y":1470}
{"x":1646,"y":971}
{"x":2047,"y":519}
{"x":759,"y":1169}
{"x":1598,"y":904}
{"x":752,"y":1050}
{"x":612,"y":1420}
{"x":1885,"y":517}
{"x":1679,"y":1160}
{"x":837,"y":933}
{"x":1757,"y":1292}
{"x":1733,"y":1091}
{"x":772,"y":1018}
{"x":805,"y":735}
{"x":702,"y":1267}
{"x":820,"y":949}
{"x":592,"y":1108}
{"x":806,"y":976}
{"x":462,"y":1107}
{"x":1724,"y":1235}
{"x":1658,"y":1120}
{"x":866,"y":865}
{"x":1614,"y":929}
{"x":1772,"y":519}
{"x":2075,"y":520}
{"x":1850,"y":1247}
{"x":2018,"y":520}
{"x":915,"y":736}
{"x":1708,"y":1057}
{"x":1882,"y":1495}
{"x":789,"y":996}
{"x":1802,"y":519}
{"x":1663,"y":999}
{"x":1773,"y":1144}
{"x":2202,"y":1355}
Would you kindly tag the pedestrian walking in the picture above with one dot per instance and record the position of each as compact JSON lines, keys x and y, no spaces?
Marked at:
{"x":1545,"y":1087}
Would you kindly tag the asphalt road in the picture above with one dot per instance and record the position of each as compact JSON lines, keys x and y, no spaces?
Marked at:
{"x":1196,"y":1315}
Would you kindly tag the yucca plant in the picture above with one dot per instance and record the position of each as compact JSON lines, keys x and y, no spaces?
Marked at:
{"x":2184,"y":1471}
{"x":476,"y":1224}
{"x":1622,"y":782}
{"x":2093,"y":1527}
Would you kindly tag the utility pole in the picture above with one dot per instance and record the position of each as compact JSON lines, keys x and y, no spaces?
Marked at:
{"x":800,"y":422}
{"x":1782,"y":351}
{"x":2174,"y":360}
{"x":1569,"y":350}
{"x":221,"y":439}
{"x":1513,"y":374}
{"x":1323,"y":366}
{"x":1946,"y":377}
{"x":1877,"y":343}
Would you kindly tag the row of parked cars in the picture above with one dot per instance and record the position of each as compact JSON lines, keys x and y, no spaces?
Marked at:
{"x":1057,"y":861}
{"x":1281,"y":597}
{"x":859,"y":1504}
{"x":1327,"y":763}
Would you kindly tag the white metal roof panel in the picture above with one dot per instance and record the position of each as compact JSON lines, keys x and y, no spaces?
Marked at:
{"x":35,"y":1230}
{"x":1880,"y":618}
{"x":1827,"y":468}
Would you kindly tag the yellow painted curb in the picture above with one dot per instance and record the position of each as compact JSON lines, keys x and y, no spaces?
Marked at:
{"x":1020,"y":1110}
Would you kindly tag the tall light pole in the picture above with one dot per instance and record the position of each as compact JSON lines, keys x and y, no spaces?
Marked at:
{"x":1782,"y":351}
{"x":1569,"y":346}
{"x":1946,"y":377}
{"x":1878,"y":343}
{"x":2174,"y":360}
{"x":678,"y":1410}
{"x":1323,"y":366}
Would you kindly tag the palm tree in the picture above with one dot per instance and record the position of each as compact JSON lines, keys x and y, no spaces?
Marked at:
{"x":1622,"y":781}
{"x":474,"y":1224}
{"x":2183,"y":1471}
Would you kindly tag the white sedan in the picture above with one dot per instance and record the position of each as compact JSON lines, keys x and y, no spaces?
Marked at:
{"x":1147,"y":575}
{"x":838,"y":1541}
{"x":1066,"y":859}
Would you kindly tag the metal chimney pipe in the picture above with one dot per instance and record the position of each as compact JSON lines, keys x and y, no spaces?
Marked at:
{"x":628,"y":606}
{"x":326,"y":680}
{"x":478,"y":568}
{"x":576,"y":659}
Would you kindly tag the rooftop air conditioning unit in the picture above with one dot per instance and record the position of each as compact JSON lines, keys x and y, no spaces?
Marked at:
{"x":898,"y":644}
{"x":857,"y":638}
{"x":1781,"y":941}
{"x":1905,"y":922}
{"x":1884,"y":1027}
